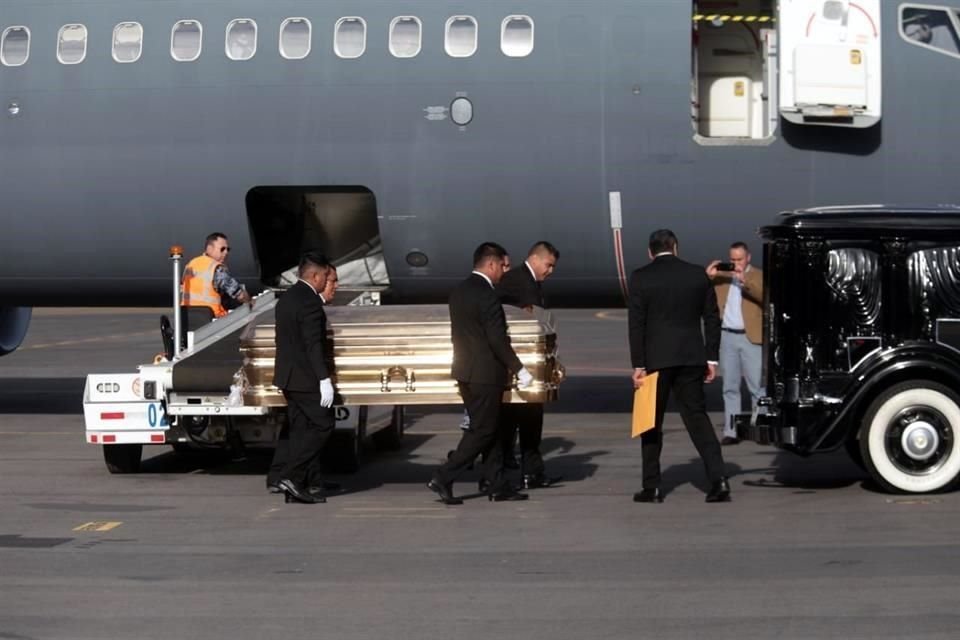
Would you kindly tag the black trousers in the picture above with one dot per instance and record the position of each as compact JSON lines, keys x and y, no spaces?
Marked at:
{"x":686,"y":384}
{"x":309,"y":424}
{"x":483,"y":404}
{"x":528,"y":420}
{"x":281,"y":455}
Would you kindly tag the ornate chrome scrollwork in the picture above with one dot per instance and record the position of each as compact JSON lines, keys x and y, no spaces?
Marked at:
{"x":934,"y":283}
{"x":853,"y":276}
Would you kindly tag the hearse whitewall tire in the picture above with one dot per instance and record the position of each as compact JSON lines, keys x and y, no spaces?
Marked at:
{"x":909,"y":438}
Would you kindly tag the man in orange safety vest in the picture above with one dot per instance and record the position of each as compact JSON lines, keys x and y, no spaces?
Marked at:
{"x":206,"y":280}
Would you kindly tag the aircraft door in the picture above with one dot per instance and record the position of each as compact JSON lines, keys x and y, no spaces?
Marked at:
{"x":830,"y":63}
{"x":339,"y":222}
{"x":733,"y":77}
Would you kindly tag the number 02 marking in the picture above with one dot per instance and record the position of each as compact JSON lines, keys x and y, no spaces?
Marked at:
{"x":154,"y":412}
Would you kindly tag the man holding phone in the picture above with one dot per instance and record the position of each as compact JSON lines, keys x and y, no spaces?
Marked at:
{"x":739,"y":288}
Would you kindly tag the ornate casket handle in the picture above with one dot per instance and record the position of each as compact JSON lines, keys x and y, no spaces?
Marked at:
{"x":409,"y":378}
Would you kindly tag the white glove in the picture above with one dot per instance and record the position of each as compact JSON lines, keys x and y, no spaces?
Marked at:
{"x":524,"y":379}
{"x":326,"y":393}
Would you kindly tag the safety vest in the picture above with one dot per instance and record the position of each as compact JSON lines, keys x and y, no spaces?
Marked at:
{"x":197,"y":290}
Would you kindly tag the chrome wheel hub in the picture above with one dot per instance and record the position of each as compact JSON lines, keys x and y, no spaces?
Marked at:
{"x":920,"y":440}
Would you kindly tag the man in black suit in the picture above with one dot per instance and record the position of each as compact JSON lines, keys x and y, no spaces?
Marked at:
{"x":315,"y":485}
{"x":302,"y":370}
{"x":668,"y":300}
{"x":483,"y":362}
{"x":522,"y":287}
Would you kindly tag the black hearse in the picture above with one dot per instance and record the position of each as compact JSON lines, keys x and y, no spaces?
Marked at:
{"x":862,"y":340}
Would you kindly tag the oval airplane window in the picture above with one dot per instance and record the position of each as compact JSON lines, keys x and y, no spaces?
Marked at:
{"x":72,"y":44}
{"x":405,"y":36}
{"x":241,"y":41}
{"x":14,"y":46}
{"x":461,"y":111}
{"x":516,"y":36}
{"x":460,"y":39}
{"x":127,"y":42}
{"x":350,"y":37}
{"x":295,"y":38}
{"x":186,"y":40}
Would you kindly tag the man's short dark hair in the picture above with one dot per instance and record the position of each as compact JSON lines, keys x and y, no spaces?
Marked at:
{"x":542,"y":246}
{"x":740,"y":245}
{"x":311,"y":261}
{"x":213,"y":237}
{"x":662,"y":240}
{"x":487,"y":251}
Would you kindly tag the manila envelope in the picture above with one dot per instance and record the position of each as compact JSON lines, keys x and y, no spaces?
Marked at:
{"x":645,"y":406}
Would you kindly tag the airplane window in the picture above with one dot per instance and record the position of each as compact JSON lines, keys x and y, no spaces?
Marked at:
{"x":461,"y":37}
{"x":930,"y":27}
{"x":241,"y":41}
{"x":405,"y":36}
{"x":186,"y":40}
{"x":72,"y":44}
{"x":350,"y":37}
{"x":516,"y":36}
{"x":127,"y":42}
{"x":295,"y":38}
{"x":14,"y":46}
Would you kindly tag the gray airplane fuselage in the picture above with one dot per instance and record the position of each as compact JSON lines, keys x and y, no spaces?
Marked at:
{"x":105,"y":165}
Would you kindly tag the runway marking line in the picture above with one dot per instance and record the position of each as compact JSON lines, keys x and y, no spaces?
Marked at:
{"x":385,"y":509}
{"x":69,"y":343}
{"x":36,"y":433}
{"x":606,"y":315}
{"x":98,"y":526}
{"x":450,"y":431}
{"x":396,"y":516}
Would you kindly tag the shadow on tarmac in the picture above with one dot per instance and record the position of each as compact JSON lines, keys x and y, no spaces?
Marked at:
{"x":822,"y":472}
{"x":579,"y":395}
{"x":58,"y":396}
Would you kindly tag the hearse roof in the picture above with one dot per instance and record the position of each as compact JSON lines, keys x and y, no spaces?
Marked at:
{"x":866,"y":219}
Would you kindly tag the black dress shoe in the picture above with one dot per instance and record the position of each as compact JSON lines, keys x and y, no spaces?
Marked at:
{"x":507,"y":495}
{"x":273,"y":487}
{"x":648,"y":495}
{"x":293,"y":494}
{"x":540,"y":481}
{"x":719,"y":492}
{"x":444,"y":491}
{"x":729,"y":440}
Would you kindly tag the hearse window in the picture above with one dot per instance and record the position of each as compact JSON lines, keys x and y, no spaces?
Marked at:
{"x":516,"y":36}
{"x":186,"y":40}
{"x":127,"y":42}
{"x":72,"y":44}
{"x":405,"y":36}
{"x":931,"y":27}
{"x":241,"y":42}
{"x":350,"y":37}
{"x":461,"y":37}
{"x":14,"y":46}
{"x":295,"y":38}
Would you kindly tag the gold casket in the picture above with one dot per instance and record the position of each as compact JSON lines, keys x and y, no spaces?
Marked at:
{"x":397,"y":355}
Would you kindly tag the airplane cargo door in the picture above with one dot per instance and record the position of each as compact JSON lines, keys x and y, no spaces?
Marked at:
{"x":830,"y":63}
{"x":734,"y":72}
{"x":339,"y":222}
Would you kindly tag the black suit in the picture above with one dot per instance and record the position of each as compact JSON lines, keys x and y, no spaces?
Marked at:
{"x":483,"y":362}
{"x":302,"y":361}
{"x":520,"y":288}
{"x":668,"y":300}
